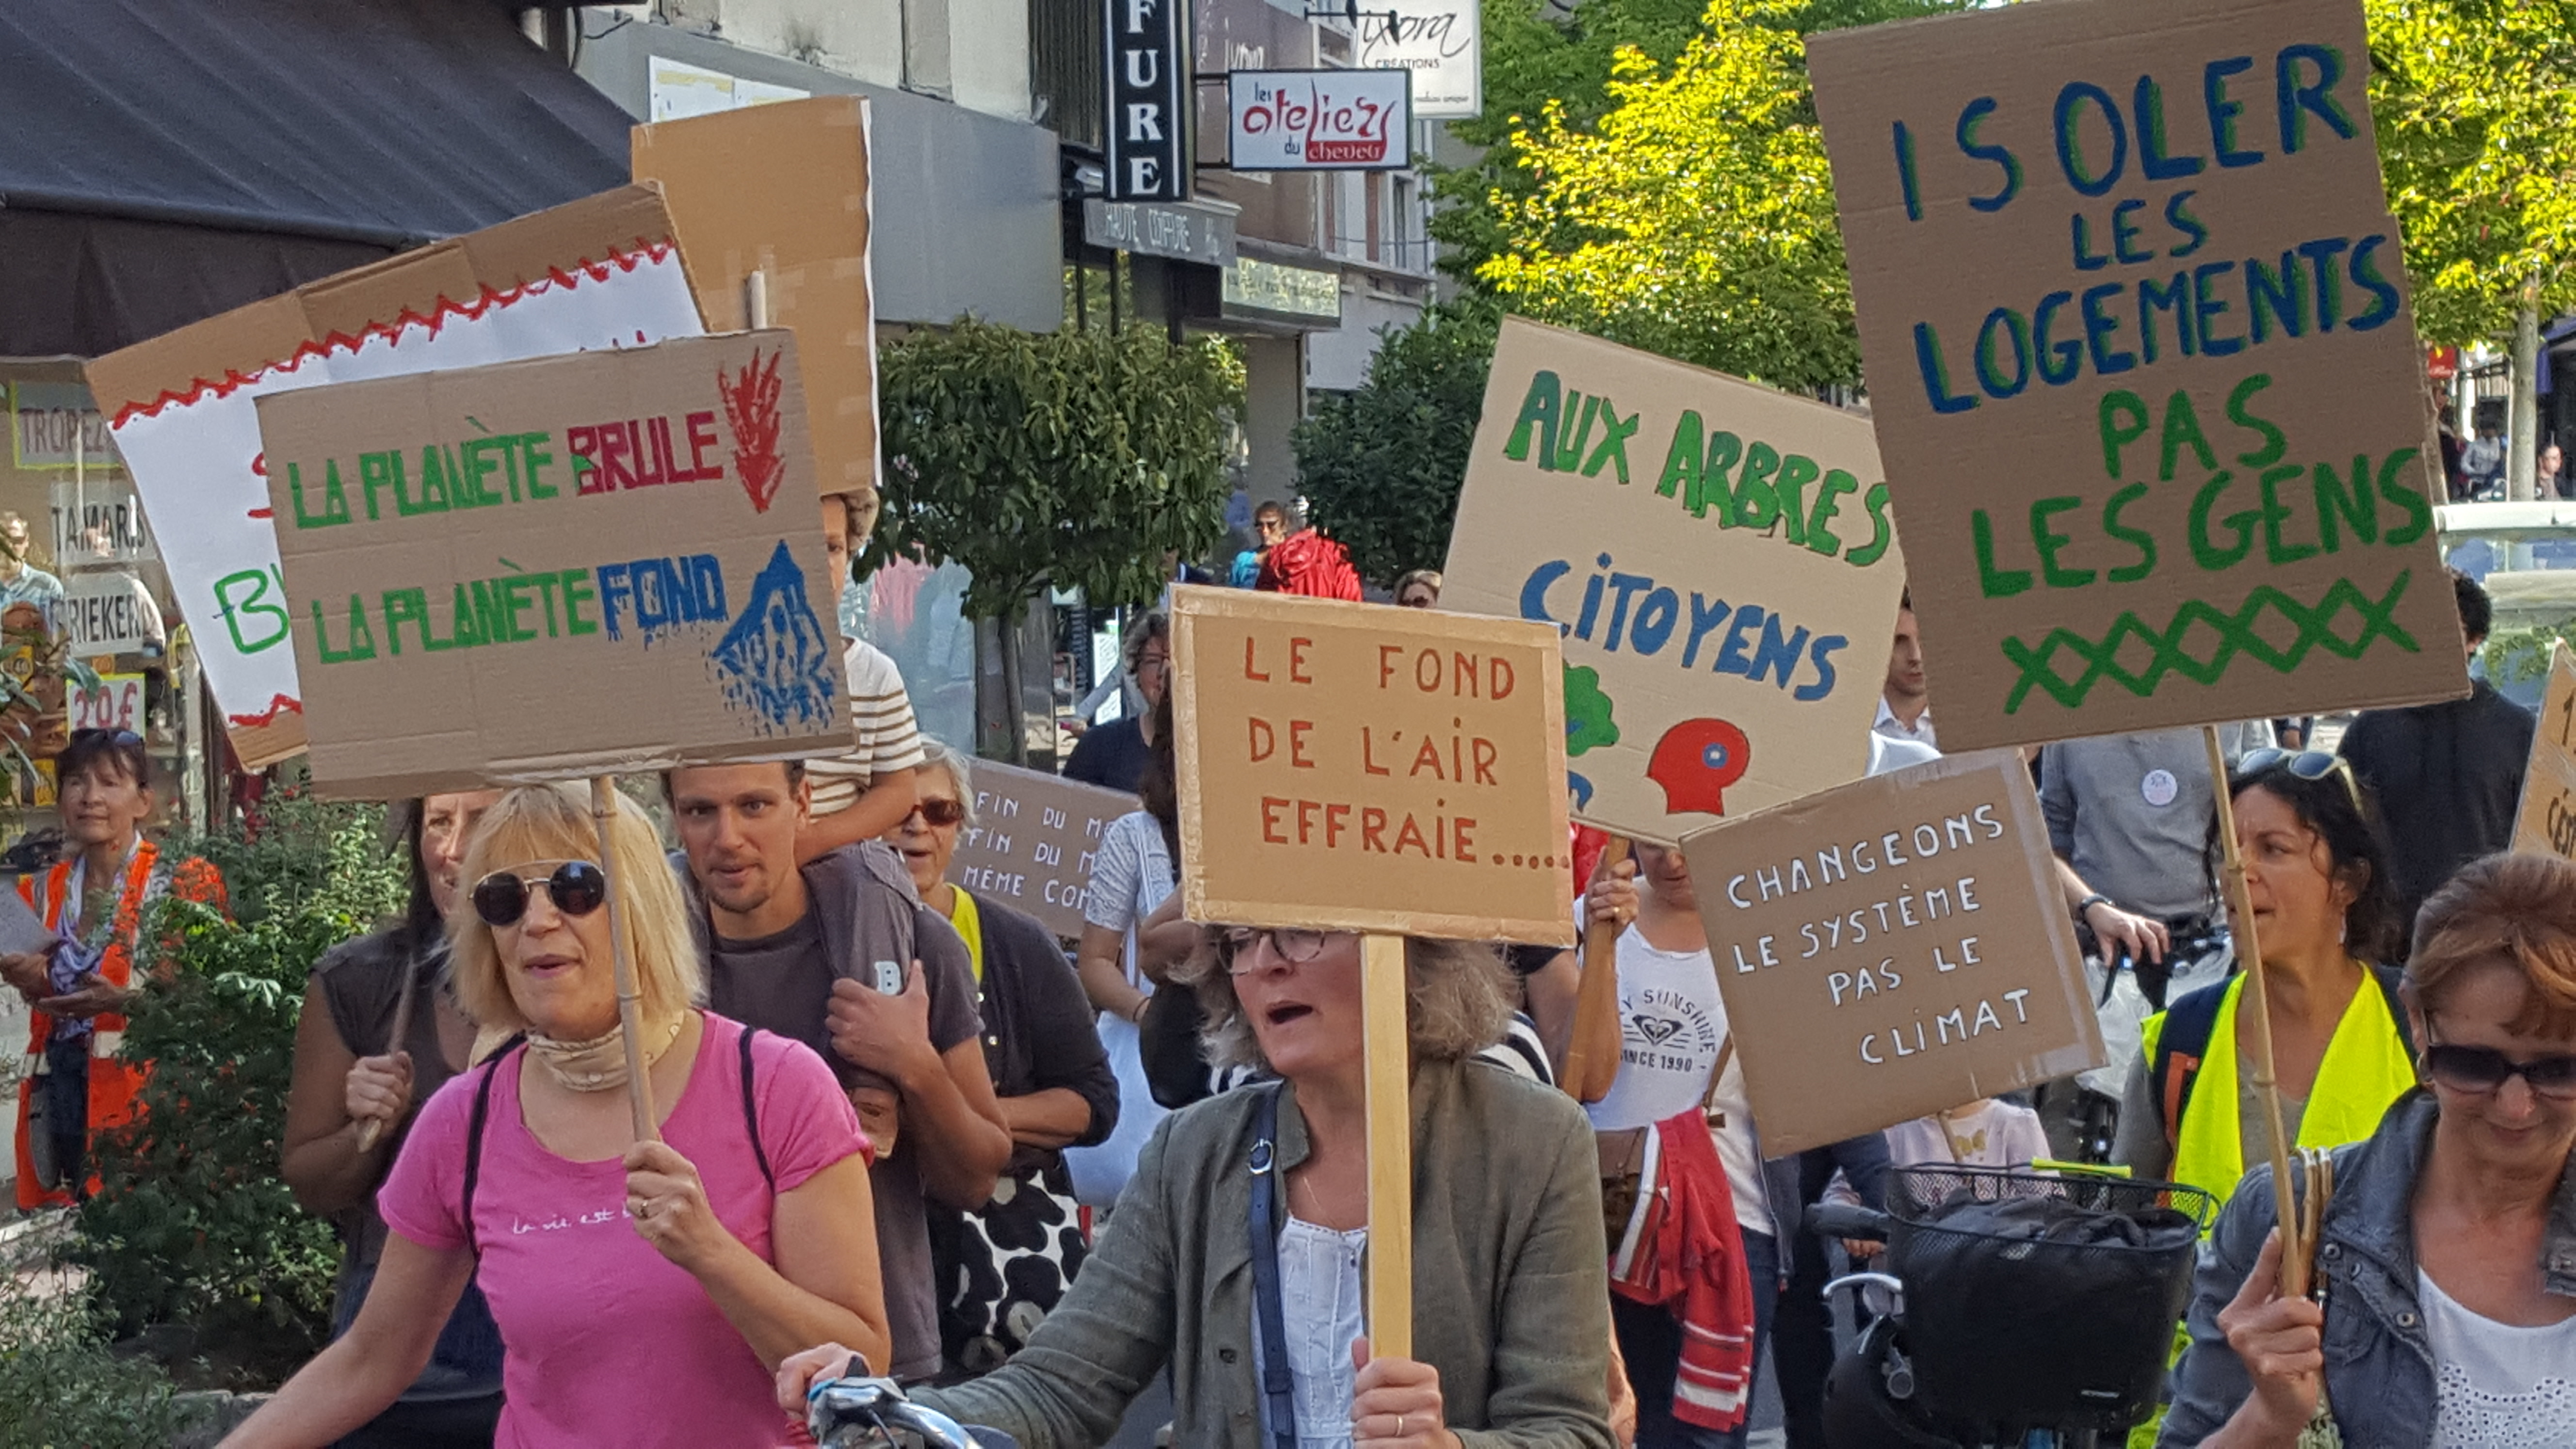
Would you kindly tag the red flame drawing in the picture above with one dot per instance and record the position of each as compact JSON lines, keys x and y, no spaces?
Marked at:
{"x":751,"y":406}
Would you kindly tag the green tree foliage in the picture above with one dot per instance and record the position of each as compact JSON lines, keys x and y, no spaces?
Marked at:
{"x":1073,"y":459}
{"x":1380,"y":466}
{"x":62,"y":1386}
{"x":2473,"y":101}
{"x":191,"y":1224}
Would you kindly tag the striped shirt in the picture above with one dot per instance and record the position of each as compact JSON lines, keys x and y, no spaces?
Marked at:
{"x":889,"y":741}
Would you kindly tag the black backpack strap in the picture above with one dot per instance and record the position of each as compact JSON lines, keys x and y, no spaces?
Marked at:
{"x":474,"y":1124}
{"x":751,"y":1111}
{"x":1278,"y":1384}
{"x":2179,"y":1049}
{"x":2390,"y":978}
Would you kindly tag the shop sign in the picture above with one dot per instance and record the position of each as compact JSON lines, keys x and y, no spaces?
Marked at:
{"x":1259,"y":286}
{"x":1319,"y":120}
{"x":1183,"y":232}
{"x":1441,"y":41}
{"x":1147,"y":133}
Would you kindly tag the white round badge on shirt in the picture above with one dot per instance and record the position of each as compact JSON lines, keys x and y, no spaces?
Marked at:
{"x":2160,"y":787}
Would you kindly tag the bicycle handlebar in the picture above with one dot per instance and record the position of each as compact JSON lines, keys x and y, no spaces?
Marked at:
{"x":1844,"y":1220}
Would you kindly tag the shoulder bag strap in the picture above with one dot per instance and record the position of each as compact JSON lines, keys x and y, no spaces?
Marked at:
{"x":1717,"y":1075}
{"x":1278,"y":1384}
{"x":475,"y":1121}
{"x":751,"y":1113}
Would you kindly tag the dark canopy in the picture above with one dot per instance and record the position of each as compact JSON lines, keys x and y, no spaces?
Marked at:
{"x":165,"y":160}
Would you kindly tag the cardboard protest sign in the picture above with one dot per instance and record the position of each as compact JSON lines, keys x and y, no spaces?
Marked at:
{"x":2142,"y":363}
{"x":1719,"y":557}
{"x":1359,"y":767}
{"x":601,"y":272}
{"x":783,"y":190}
{"x":569,"y":566}
{"x":1032,"y":839}
{"x":2546,"y":822}
{"x":1892,"y":948}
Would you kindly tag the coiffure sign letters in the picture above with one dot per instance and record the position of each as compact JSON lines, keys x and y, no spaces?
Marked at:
{"x":1147,"y":138}
{"x":1319,"y":120}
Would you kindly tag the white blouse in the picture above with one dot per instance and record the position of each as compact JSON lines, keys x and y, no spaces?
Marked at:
{"x":2497,"y":1385}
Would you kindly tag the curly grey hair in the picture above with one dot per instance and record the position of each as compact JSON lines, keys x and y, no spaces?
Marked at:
{"x":1458,"y":1000}
{"x":939,"y":755}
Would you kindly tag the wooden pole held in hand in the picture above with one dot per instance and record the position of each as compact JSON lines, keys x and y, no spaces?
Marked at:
{"x":373,"y":1130}
{"x":1592,"y":1056}
{"x":1389,"y":1078}
{"x":2257,"y":1001}
{"x":630,"y":1005}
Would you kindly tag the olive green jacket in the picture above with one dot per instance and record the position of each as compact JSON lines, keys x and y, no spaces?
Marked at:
{"x":1511,"y":1296}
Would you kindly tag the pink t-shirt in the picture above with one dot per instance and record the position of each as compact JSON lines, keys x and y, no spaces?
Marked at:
{"x":608,"y":1341}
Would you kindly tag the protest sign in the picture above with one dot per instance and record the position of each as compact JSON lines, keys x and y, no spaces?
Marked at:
{"x":1718,"y":556}
{"x":782,"y":189}
{"x":2141,"y":361}
{"x":1888,"y":949}
{"x":1030,"y":846}
{"x":568,"y":566}
{"x":2546,"y":822}
{"x":601,"y":272}
{"x":1358,"y":767}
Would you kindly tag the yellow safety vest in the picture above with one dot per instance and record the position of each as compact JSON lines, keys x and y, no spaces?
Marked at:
{"x":2366,"y":1067}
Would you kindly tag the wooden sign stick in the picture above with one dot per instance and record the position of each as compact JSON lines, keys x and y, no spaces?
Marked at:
{"x":630,"y":1005}
{"x":374,"y":1129}
{"x":1389,"y":1080}
{"x":1592,"y":1056}
{"x":2258,"y":1000}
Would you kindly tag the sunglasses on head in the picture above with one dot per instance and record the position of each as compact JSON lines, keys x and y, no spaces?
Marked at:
{"x":2484,"y":1069}
{"x":2302,"y":764}
{"x":577,"y":888}
{"x":941,"y":813}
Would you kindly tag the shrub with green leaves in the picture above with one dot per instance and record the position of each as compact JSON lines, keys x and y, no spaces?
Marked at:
{"x":1380,"y":466}
{"x":61,"y":1387}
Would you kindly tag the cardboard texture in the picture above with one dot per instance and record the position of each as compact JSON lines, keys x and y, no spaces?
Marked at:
{"x":1359,"y":767}
{"x":22,"y":931}
{"x":2142,"y":363}
{"x":2545,"y":824}
{"x":1719,"y":557}
{"x":783,"y":189}
{"x":1030,"y":846}
{"x":600,"y":272}
{"x":559,"y":568}
{"x":1892,"y":948}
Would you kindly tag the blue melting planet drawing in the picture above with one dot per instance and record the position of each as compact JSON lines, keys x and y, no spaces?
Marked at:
{"x":775,"y":662}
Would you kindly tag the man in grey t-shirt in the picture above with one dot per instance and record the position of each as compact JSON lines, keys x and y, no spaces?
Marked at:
{"x":796,"y":951}
{"x":2132,"y":814}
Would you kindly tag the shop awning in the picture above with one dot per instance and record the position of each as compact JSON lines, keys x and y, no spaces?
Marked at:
{"x":165,"y":160}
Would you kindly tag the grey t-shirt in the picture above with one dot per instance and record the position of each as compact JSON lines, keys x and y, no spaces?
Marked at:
{"x":783,"y":984}
{"x":2132,"y":813}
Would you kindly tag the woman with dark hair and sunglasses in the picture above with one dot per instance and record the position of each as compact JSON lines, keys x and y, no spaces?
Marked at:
{"x":381,"y":1033}
{"x":94,"y":902}
{"x":2446,"y":1262}
{"x":2317,"y":872}
{"x":1234,"y":1259}
{"x":1002,"y":1267}
{"x":645,"y":1291}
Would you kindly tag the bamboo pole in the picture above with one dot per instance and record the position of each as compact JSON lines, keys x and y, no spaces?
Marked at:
{"x":374,"y":1129}
{"x":2257,"y":999}
{"x":1390,"y":1145}
{"x":630,"y":1005}
{"x":1592,"y":1056}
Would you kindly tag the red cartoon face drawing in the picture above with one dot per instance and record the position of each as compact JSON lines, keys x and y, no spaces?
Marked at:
{"x":1695,"y":761}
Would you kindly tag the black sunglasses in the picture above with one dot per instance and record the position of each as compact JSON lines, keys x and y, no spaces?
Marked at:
{"x":941,"y":813}
{"x":577,"y":888}
{"x":2484,"y":1069}
{"x":2304,"y":764}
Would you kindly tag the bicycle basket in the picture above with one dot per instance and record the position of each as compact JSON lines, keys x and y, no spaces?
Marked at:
{"x":2039,"y":1301}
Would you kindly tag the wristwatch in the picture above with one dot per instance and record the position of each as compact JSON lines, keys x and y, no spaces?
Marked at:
{"x":2089,"y":902}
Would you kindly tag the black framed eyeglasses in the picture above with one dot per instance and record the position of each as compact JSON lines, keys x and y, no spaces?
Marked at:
{"x":1294,"y":946}
{"x":577,"y":888}
{"x":2304,"y":765}
{"x":2483,"y":1070}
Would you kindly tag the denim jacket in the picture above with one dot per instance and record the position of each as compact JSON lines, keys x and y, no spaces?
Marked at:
{"x":2379,"y":1364}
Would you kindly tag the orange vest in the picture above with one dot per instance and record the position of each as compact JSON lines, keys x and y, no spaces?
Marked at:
{"x":113,"y":1081}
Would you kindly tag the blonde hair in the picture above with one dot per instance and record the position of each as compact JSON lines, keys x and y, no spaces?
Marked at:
{"x":553,"y":822}
{"x":1458,"y":1000}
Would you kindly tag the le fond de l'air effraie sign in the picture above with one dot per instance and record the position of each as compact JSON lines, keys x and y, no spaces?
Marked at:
{"x":1720,"y":559}
{"x":485,"y":591}
{"x":599,"y":272}
{"x":2141,"y":362}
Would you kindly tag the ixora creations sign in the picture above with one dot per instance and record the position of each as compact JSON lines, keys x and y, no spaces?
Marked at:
{"x":1032,"y":841}
{"x":601,"y":272}
{"x":1719,"y":557}
{"x":2141,"y":361}
{"x":2546,"y":823}
{"x":782,"y":190}
{"x":1319,"y":120}
{"x":568,"y":566}
{"x":1365,"y":768}
{"x":1441,"y":41}
{"x":1892,"y":948}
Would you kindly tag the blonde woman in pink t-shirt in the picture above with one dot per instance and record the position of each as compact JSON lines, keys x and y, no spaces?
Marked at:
{"x":695,"y":1264}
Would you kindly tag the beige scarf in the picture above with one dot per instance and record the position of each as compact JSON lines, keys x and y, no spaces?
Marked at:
{"x":599,"y":1064}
